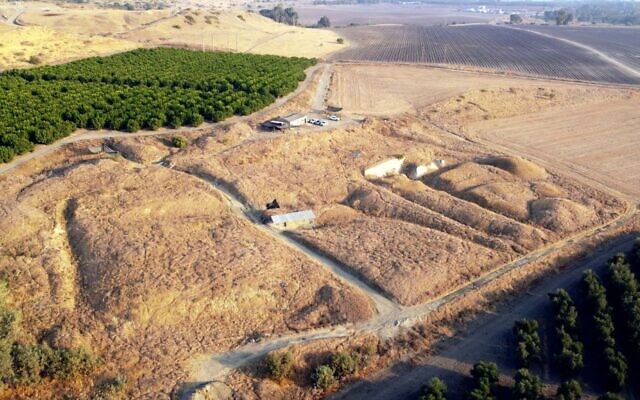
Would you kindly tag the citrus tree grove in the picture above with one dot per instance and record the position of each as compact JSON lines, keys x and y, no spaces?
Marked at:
{"x":141,"y":89}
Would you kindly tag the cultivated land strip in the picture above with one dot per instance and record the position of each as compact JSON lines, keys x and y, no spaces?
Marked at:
{"x":629,"y":69}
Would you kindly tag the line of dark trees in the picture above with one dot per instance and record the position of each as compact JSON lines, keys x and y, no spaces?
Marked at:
{"x":282,"y":15}
{"x":610,"y":308}
{"x":619,"y":13}
{"x":142,"y":89}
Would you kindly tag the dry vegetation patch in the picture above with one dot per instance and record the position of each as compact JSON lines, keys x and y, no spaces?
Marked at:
{"x":148,"y":267}
{"x":21,"y":45}
{"x":236,"y":31}
{"x":430,"y":234}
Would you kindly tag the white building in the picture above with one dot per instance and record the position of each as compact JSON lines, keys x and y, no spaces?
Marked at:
{"x":293,"y":220}
{"x":391,"y":166}
{"x":295,"y":120}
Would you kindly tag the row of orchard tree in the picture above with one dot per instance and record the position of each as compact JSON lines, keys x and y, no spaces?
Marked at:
{"x":142,"y":89}
{"x":610,"y":311}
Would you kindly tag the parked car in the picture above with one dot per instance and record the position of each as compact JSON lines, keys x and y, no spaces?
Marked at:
{"x":320,"y":122}
{"x":313,"y":121}
{"x":334,"y":118}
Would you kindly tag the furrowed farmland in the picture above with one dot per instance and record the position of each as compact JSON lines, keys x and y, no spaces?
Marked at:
{"x":622,"y":44}
{"x":140,"y":89}
{"x":481,"y":47}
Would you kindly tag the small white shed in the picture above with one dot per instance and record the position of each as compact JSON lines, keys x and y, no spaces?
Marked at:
{"x":293,"y":220}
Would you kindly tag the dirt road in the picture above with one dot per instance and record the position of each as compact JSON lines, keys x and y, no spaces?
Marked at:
{"x":85,"y":135}
{"x":487,"y":339}
{"x":13,"y":19}
{"x":321,"y":92}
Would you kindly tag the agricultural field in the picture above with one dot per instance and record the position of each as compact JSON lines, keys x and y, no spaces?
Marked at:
{"x":141,"y":89}
{"x":480,"y":47}
{"x":621,"y":43}
{"x":367,"y":14}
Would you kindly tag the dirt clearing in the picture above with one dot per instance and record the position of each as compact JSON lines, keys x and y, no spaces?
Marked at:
{"x":600,"y":139}
{"x":392,"y":89}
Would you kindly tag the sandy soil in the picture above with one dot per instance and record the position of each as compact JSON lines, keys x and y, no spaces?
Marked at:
{"x":148,"y":268}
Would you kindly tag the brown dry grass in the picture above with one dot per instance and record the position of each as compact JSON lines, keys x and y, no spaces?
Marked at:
{"x":237,"y":31}
{"x":91,"y":21}
{"x":401,"y":239}
{"x":50,"y":46}
{"x":147,"y":267}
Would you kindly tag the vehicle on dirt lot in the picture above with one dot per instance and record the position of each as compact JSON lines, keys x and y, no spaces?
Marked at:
{"x":313,"y":121}
{"x":334,"y":118}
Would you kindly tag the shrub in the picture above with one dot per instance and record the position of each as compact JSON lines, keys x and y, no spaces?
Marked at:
{"x":610,"y":396}
{"x":527,"y":386}
{"x":343,"y":364}
{"x":626,"y":296}
{"x":340,"y":40}
{"x":323,"y":377}
{"x":528,"y":341}
{"x":65,"y":363}
{"x":179,"y":141}
{"x":110,"y":389}
{"x":569,"y":358}
{"x":569,"y":390}
{"x":434,"y":390}
{"x":279,"y":364}
{"x":35,"y":60}
{"x":6,"y":154}
{"x":485,"y":374}
{"x":28,"y":364}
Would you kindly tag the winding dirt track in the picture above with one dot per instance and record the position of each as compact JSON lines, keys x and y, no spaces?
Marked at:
{"x":391,"y":317}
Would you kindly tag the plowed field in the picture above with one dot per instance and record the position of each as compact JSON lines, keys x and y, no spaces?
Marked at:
{"x":481,"y":47}
{"x":622,"y":44}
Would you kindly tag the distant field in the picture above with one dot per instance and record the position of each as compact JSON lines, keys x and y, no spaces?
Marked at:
{"x":343,"y":15}
{"x":480,"y":47}
{"x":620,"y":43}
{"x":140,"y":89}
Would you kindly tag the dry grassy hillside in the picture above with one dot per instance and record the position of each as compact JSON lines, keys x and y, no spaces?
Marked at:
{"x":92,"y":21}
{"x":236,"y":31}
{"x":475,"y":214}
{"x":148,"y":267}
{"x":19,"y":44}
